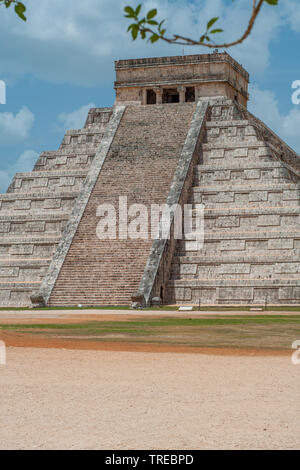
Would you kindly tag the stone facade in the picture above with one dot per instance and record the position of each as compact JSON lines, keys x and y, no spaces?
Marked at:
{"x":180,"y":79}
{"x":252,"y":215}
{"x":179,"y":132}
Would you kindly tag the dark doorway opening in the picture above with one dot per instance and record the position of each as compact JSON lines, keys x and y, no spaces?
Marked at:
{"x":170,"y":96}
{"x":162,"y":293}
{"x":151,"y":97}
{"x":190,"y":94}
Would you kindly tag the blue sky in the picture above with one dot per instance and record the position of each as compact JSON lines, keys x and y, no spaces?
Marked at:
{"x":61,"y":62}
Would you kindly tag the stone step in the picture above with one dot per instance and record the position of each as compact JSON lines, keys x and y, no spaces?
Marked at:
{"x":246,"y":218}
{"x":33,"y":223}
{"x":25,"y":245}
{"x":48,"y":181}
{"x":256,"y":149}
{"x":251,"y":186}
{"x":274,"y":172}
{"x":272,"y":234}
{"x":235,"y":292}
{"x":229,"y":135}
{"x":17,"y":294}
{"x":248,"y":210}
{"x":64,"y":160}
{"x":237,"y":157}
{"x":225,"y":111}
{"x":223,"y":124}
{"x":23,"y":270}
{"x":82,"y":138}
{"x":248,"y":165}
{"x":37,"y":201}
{"x":224,"y":258}
{"x":260,"y":194}
{"x":233,"y":242}
{"x":237,"y":268}
{"x":230,"y":158}
{"x":98,"y":117}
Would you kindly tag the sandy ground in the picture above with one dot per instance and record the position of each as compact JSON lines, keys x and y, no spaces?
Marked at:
{"x":67,"y":399}
{"x":124,"y":315}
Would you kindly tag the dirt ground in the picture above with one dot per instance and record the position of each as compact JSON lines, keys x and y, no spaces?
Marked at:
{"x":23,"y":340}
{"x":67,"y":399}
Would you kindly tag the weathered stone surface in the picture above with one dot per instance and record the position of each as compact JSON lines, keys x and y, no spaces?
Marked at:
{"x":224,"y":158}
{"x":252,"y":239}
{"x":140,"y":169}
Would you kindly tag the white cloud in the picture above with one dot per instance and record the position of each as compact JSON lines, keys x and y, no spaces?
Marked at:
{"x":25,"y":162}
{"x":292,"y":13}
{"x":75,"y":119}
{"x":265,"y":106}
{"x":78,"y":44}
{"x":16,"y":127}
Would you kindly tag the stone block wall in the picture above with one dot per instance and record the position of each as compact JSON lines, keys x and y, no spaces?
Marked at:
{"x":36,"y":208}
{"x":252,"y":218}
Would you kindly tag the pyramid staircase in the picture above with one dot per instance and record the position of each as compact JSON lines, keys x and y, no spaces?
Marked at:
{"x":140,"y":165}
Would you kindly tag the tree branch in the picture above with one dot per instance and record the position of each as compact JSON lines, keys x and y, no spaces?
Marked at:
{"x":142,"y":27}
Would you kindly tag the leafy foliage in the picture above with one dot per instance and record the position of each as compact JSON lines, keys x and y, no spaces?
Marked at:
{"x":19,"y":7}
{"x":149,"y":28}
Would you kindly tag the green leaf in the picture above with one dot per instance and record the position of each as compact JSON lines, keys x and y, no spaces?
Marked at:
{"x":272,"y":2}
{"x":153,"y":22}
{"x":212,"y":22}
{"x":151,"y":14}
{"x":138,"y":9}
{"x":154,"y":38}
{"x":134,"y":32}
{"x":216,"y":31}
{"x":130,"y":12}
{"x":160,"y":24}
{"x":20,"y":10}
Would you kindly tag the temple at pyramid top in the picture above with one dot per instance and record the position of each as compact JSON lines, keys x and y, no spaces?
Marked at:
{"x":179,"y":79}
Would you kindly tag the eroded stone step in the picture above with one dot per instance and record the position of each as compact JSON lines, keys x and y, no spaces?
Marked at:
{"x":17,"y":294}
{"x":235,"y":292}
{"x":207,"y":174}
{"x":37,"y":201}
{"x":233,"y":242}
{"x":33,"y":223}
{"x":23,"y":270}
{"x":237,"y":269}
{"x":82,"y":138}
{"x":99,"y":117}
{"x":26,"y":245}
{"x":258,"y":195}
{"x":64,"y":159}
{"x":224,"y":258}
{"x":48,"y":180}
{"x":231,"y":135}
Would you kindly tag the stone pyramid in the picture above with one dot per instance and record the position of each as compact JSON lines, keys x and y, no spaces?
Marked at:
{"x":179,"y":133}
